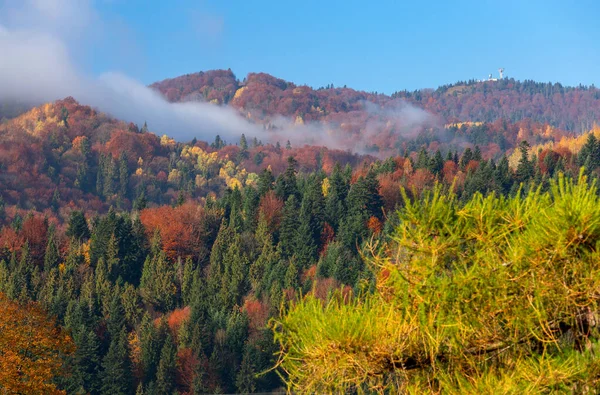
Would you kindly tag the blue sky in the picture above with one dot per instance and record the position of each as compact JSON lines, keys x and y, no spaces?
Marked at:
{"x":379,"y":46}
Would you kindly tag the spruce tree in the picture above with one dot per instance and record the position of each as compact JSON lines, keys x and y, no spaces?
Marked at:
{"x":86,"y":363}
{"x":117,"y":372}
{"x":52,"y":256}
{"x":165,"y":376}
{"x":123,"y":176}
{"x":265,"y":181}
{"x":287,"y":183}
{"x":78,"y":227}
{"x":289,"y":227}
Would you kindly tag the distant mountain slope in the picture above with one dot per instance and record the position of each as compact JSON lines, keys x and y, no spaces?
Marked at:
{"x":261,"y":96}
{"x":569,"y":108}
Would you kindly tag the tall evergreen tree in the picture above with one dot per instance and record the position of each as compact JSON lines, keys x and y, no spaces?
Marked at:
{"x":165,"y":376}
{"x":117,"y":376}
{"x":52,"y":255}
{"x":78,"y":227}
{"x":525,"y":169}
{"x":287,"y":183}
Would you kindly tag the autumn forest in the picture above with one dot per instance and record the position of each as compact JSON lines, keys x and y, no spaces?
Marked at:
{"x":439,"y":240}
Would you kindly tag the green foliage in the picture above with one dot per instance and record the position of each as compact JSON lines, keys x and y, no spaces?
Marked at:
{"x":157,"y":285}
{"x":165,"y":376}
{"x":493,"y":293}
{"x":116,"y":377}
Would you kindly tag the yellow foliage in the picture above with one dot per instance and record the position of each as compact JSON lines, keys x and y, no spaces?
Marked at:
{"x":461,"y":124}
{"x":495,"y":295}
{"x":233,"y":183}
{"x":407,"y":166}
{"x":85,"y":252}
{"x":299,"y":120}
{"x":32,"y":350}
{"x":166,"y":141}
{"x":174,"y":176}
{"x":135,"y":348}
{"x":325,"y":186}
{"x":200,"y":181}
{"x":251,"y":179}
{"x":139,"y":171}
{"x":239,"y":92}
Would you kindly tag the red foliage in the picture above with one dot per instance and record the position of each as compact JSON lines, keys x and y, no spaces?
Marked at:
{"x":135,"y":145}
{"x":374,"y":225}
{"x":420,"y":180}
{"x":10,"y":240}
{"x":183,"y":229}
{"x":35,"y":232}
{"x":327,"y":235}
{"x":449,"y":171}
{"x":324,"y":286}
{"x":217,"y":85}
{"x":389,"y":189}
{"x":258,"y":313}
{"x":178,"y":317}
{"x":187,"y":363}
{"x":270,"y":208}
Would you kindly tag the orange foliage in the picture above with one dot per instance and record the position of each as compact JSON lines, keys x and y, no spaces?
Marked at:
{"x":31,"y":350}
{"x":471,"y":166}
{"x":327,"y":236}
{"x":182,"y":229}
{"x":389,"y":189}
{"x":187,"y":363}
{"x":309,"y":274}
{"x":374,"y":225}
{"x":178,"y":317}
{"x":258,"y":312}
{"x":35,"y":232}
{"x":449,"y":171}
{"x":420,"y":180}
{"x":270,"y":208}
{"x":10,"y":240}
{"x":136,"y":145}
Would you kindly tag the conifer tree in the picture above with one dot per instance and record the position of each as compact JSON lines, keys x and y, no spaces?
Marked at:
{"x":525,"y":169}
{"x":335,"y":205}
{"x":287,"y":182}
{"x":289,"y":227}
{"x":86,"y":363}
{"x":265,"y":181}
{"x":123,"y":175}
{"x":150,"y":349}
{"x":165,"y":375}
{"x":78,"y":227}
{"x":157,"y":285}
{"x":52,"y":256}
{"x":117,"y":373}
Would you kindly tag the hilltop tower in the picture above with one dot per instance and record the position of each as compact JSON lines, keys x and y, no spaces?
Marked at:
{"x":501,"y":71}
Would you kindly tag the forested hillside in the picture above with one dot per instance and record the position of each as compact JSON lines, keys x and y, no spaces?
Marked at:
{"x":195,"y":267}
{"x":262,"y":95}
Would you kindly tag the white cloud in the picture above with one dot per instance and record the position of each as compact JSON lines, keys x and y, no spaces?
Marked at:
{"x":36,"y":66}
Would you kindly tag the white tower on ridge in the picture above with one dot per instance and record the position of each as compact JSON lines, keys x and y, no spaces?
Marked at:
{"x":501,"y":70}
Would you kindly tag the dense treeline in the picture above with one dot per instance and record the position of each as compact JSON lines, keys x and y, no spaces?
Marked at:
{"x":163,"y":262}
{"x":178,"y":297}
{"x":573,"y":109}
{"x":491,"y":294}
